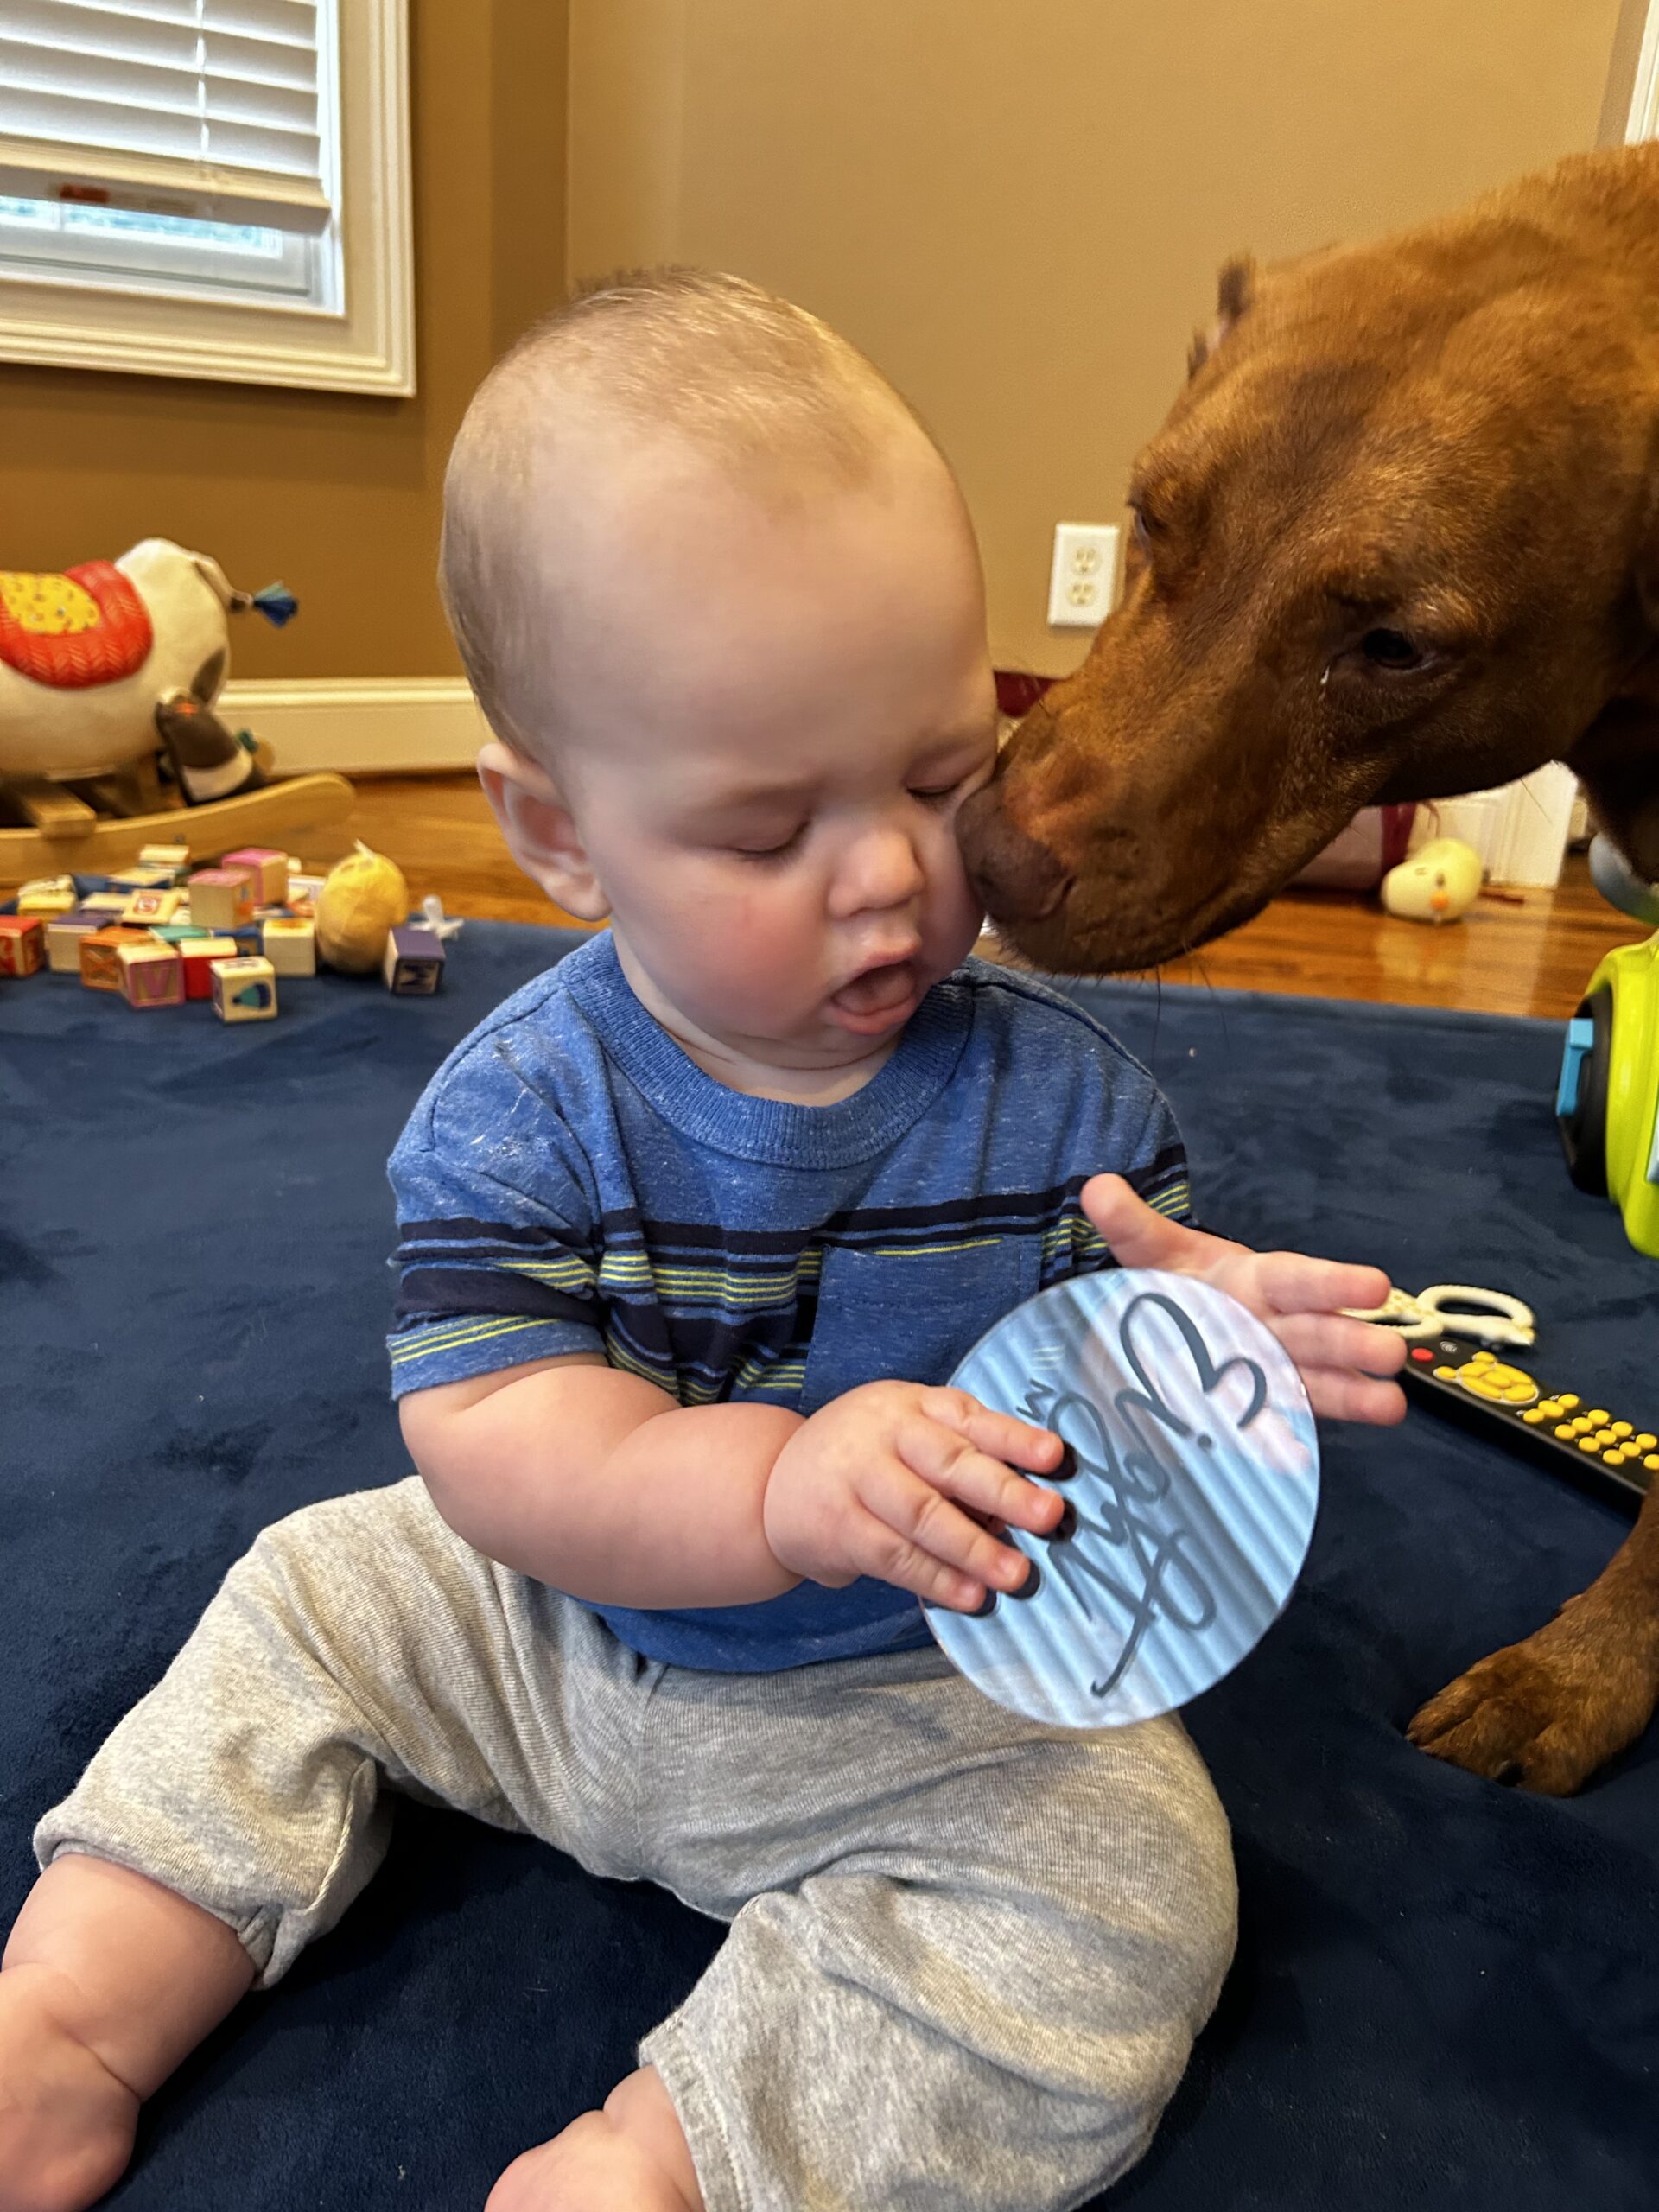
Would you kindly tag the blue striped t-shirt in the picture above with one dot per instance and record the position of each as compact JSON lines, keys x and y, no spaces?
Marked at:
{"x":571,"y":1181}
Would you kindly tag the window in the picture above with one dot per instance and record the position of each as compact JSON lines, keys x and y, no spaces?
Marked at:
{"x":208,"y":187}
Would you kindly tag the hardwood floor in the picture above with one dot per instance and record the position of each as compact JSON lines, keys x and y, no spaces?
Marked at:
{"x":1533,"y":957}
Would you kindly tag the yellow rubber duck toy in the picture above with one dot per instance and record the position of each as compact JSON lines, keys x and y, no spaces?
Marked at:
{"x":1439,"y":882}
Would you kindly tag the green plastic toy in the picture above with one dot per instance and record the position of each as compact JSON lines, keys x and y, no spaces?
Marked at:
{"x":1607,"y":1101}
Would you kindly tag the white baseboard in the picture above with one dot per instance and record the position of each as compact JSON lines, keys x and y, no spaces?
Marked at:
{"x":360,"y":723}
{"x":1520,"y":830}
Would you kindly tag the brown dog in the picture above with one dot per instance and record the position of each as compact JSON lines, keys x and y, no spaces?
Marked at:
{"x":1399,"y":538}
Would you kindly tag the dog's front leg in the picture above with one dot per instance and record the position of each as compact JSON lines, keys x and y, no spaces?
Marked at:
{"x":1547,"y":1713}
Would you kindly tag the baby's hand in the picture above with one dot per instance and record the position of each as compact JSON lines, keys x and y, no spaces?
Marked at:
{"x":900,"y":1480}
{"x":1342,"y":1361}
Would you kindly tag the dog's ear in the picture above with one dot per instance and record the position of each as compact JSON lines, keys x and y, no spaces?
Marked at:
{"x":1235,"y":289}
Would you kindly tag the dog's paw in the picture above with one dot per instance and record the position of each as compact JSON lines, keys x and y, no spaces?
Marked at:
{"x":1546,"y":1713}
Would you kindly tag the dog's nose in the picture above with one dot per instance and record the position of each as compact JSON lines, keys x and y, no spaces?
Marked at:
{"x":1016,"y":879}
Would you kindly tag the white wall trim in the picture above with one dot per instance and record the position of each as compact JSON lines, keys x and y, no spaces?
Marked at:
{"x":360,"y":724}
{"x":1519,"y":829}
{"x":1644,"y":119}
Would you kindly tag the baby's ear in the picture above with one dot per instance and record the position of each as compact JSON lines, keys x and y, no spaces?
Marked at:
{"x":541,"y":831}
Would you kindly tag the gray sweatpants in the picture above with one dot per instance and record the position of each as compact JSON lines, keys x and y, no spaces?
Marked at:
{"x":967,"y":1955}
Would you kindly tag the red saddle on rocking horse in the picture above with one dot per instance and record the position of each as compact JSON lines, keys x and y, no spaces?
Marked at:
{"x":85,"y":625}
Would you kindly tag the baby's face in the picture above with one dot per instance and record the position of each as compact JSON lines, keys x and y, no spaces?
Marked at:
{"x":780,"y":712}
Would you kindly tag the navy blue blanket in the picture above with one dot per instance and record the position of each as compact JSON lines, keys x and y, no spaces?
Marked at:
{"x":1446,"y":1993}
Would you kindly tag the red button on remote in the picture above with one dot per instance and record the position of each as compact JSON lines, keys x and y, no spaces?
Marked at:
{"x":1421,"y":1353}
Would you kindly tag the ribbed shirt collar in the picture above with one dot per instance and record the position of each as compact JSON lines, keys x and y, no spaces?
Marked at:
{"x":773,"y":1130}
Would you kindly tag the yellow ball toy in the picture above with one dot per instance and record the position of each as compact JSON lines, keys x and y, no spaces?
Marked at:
{"x":364,"y":896}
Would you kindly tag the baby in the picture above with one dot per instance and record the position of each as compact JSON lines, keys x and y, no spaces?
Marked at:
{"x":694,"y":1229}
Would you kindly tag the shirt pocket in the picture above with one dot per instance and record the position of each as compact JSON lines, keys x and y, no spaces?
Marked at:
{"x":899,"y":1312}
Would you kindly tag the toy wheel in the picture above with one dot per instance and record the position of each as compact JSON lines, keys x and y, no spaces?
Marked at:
{"x":1582,"y":1118}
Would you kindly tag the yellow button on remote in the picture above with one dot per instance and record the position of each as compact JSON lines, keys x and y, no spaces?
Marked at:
{"x":1616,"y":1458}
{"x":1534,"y":1415}
{"x":1597,"y":1413}
{"x":1566,"y":1431}
{"x":1552,"y":1409}
{"x":1623,"y":1429}
{"x":1646,"y":1441}
{"x":1588,"y":1443}
{"x":1496,"y":1381}
{"x":1445,"y":1374}
{"x":1568,"y":1398}
{"x":1651,"y":1463}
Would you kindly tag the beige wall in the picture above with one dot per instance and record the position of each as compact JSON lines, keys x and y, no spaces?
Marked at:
{"x":1017,"y":206}
{"x":336,"y":493}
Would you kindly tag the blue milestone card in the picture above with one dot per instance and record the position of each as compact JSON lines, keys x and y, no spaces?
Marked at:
{"x":1191,"y":1480}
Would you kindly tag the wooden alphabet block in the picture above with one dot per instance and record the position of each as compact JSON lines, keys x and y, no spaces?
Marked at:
{"x":145,"y":908}
{"x":414,"y":960}
{"x":290,"y":944}
{"x":174,"y":858}
{"x":48,"y":894}
{"x":140,"y":879}
{"x":268,"y":869}
{"x":152,"y":974}
{"x":197,"y":956}
{"x":101,"y":955}
{"x":221,"y":897}
{"x":244,"y":990}
{"x":63,"y":936}
{"x":23,"y":944}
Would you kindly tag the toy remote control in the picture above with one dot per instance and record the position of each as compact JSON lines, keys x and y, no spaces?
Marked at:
{"x":1469,"y":1383}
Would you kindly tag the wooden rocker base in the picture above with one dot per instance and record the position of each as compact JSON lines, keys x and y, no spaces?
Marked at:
{"x":65,"y":836}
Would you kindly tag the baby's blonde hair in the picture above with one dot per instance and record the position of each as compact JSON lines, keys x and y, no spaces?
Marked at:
{"x":759,"y":385}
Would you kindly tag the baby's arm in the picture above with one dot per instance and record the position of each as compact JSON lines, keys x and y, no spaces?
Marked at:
{"x":596,"y":1481}
{"x":599,"y":1483}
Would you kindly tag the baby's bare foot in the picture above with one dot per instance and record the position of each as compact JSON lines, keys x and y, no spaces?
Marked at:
{"x":67,"y":2124}
{"x":630,"y":2157}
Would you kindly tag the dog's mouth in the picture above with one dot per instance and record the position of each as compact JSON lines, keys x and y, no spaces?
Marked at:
{"x":1103,"y":929}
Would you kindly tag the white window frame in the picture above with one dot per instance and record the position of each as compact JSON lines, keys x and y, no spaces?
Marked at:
{"x":369,"y":345}
{"x":1644,"y":119}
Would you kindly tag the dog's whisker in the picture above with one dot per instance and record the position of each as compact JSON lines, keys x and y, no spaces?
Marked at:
{"x":1220,"y":1002}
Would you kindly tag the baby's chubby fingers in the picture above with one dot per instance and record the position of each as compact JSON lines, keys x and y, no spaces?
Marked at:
{"x":916,"y":1536}
{"x":1341,"y":1394}
{"x":1294,"y":1282}
{"x":975,"y":1454}
{"x":1337,"y":1340}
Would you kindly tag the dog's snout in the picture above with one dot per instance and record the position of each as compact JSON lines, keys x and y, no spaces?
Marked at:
{"x":1015,"y":879}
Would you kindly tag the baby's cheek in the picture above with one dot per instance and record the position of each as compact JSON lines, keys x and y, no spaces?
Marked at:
{"x":764,"y":941}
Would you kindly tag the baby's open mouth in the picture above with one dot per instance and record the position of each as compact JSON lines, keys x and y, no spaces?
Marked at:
{"x":878,"y":990}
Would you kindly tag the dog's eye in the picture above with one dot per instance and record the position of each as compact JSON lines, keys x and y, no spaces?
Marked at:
{"x":1140,"y":528}
{"x":1389,"y":649}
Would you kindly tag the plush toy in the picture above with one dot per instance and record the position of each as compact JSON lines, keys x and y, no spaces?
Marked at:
{"x":97,"y":661}
{"x":364,"y":898}
{"x":1440,"y":881}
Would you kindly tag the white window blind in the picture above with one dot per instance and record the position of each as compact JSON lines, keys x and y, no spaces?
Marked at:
{"x":215,"y":109}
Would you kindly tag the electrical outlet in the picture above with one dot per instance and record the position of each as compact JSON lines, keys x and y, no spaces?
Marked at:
{"x":1083,"y":581}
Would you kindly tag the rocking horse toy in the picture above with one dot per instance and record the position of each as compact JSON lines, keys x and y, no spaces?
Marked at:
{"x":108,"y":673}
